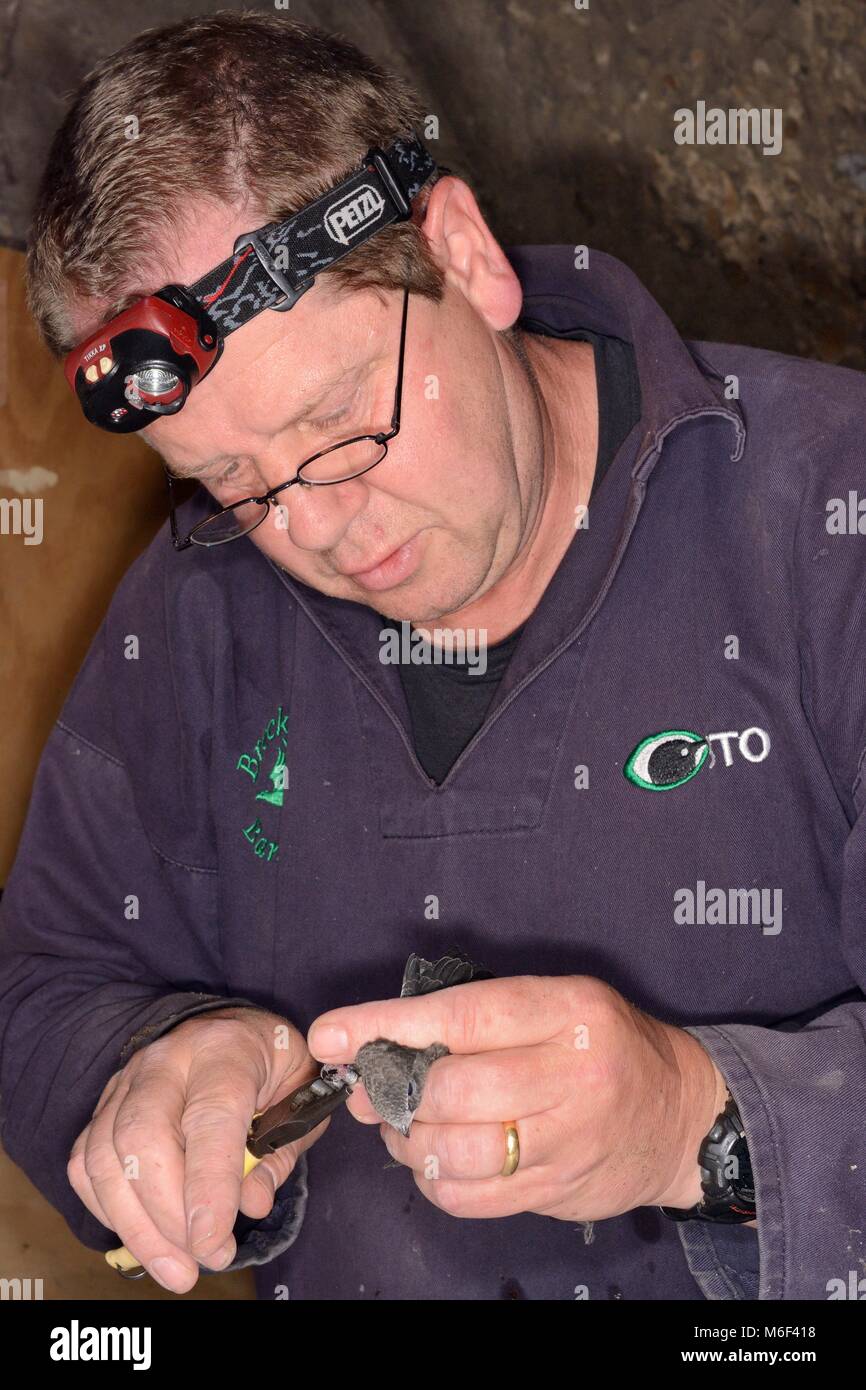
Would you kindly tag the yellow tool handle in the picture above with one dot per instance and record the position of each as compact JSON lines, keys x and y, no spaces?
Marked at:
{"x":123,"y":1261}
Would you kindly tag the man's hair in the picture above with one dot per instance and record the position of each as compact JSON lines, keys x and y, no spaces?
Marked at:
{"x":237,"y":108}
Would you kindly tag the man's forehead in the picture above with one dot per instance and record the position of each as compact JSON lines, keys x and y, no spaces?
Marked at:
{"x":268,"y":380}
{"x":282,"y":418}
{"x":181,"y":465}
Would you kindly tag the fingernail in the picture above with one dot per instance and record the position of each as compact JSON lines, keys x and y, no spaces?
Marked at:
{"x":329,"y":1040}
{"x":268,"y":1179}
{"x":168,"y":1272}
{"x":201,"y":1225}
{"x":223,"y":1256}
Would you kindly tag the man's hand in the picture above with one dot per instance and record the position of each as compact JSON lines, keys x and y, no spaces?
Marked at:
{"x":610,"y":1104}
{"x":161,"y":1161}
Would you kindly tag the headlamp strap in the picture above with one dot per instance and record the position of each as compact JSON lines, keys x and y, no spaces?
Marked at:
{"x":280,"y":260}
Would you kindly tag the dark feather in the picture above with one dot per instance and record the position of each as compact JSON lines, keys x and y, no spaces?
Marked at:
{"x":424,"y":976}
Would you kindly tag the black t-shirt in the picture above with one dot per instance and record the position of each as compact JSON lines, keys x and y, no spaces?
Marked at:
{"x":448,"y":701}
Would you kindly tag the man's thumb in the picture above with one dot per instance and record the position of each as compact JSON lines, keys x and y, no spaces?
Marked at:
{"x":259,"y":1187}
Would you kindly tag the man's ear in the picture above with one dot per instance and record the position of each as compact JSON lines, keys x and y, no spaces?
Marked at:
{"x":468,"y":254}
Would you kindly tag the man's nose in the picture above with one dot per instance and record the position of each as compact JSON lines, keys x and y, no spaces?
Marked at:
{"x":316,"y":516}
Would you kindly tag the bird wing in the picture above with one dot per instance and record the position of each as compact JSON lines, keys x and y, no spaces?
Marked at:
{"x":424,"y":976}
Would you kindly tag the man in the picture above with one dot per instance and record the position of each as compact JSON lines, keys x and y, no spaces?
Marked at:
{"x":642,"y":810}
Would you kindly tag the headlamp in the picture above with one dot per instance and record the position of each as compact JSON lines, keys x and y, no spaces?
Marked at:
{"x":144,"y":362}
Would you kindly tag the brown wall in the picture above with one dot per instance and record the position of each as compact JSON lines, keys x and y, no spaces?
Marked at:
{"x":106,"y":503}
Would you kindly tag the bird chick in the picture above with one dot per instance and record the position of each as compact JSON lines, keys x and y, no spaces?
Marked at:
{"x":394,"y":1078}
{"x":394,"y":1075}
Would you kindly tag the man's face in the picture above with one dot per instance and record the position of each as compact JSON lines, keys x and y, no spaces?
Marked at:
{"x":440,"y":521}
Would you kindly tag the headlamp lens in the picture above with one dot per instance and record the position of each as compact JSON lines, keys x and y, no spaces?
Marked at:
{"x":156,"y":384}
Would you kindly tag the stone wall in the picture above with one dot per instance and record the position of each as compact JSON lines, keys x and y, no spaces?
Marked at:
{"x":562,"y":118}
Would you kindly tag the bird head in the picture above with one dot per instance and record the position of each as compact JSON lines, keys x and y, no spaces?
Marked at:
{"x":394,"y":1078}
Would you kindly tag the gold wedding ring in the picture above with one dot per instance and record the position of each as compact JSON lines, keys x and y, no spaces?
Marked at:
{"x":512,"y":1148}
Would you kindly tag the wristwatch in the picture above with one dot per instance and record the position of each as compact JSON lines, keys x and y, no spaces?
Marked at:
{"x":726,"y":1174}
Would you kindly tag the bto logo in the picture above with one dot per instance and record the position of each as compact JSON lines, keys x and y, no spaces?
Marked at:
{"x":347,"y":218}
{"x":667,"y":760}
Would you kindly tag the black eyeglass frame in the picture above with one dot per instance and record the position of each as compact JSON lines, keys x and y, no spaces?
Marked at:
{"x":266,"y":500}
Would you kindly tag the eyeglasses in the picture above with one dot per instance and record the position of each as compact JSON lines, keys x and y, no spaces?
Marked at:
{"x":336,"y":464}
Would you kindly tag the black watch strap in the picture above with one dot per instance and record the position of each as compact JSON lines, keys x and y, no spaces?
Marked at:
{"x":726,"y":1174}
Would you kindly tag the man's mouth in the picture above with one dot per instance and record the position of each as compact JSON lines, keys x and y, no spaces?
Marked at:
{"x":390,"y":569}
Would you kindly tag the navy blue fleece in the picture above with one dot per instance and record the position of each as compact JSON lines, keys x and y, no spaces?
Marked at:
{"x":710,"y":525}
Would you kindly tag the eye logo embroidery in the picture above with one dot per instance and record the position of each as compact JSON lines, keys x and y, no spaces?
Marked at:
{"x":667,"y":760}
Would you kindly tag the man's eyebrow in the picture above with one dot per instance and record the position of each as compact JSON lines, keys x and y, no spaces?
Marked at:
{"x":306,"y":410}
{"x":180,"y":474}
